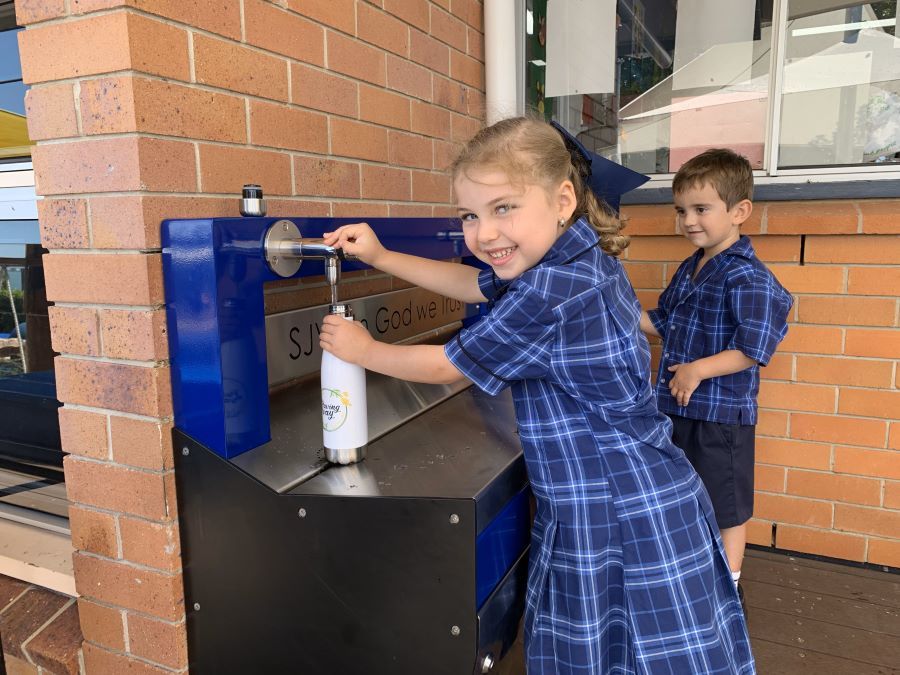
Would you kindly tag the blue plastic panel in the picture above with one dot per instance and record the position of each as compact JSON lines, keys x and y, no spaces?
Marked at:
{"x":500,"y":544}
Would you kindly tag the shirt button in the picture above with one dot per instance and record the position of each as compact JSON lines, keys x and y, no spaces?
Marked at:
{"x":662,"y":380}
{"x":666,"y":354}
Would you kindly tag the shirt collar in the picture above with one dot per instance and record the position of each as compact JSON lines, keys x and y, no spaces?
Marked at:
{"x":741,"y":247}
{"x":576,"y":239}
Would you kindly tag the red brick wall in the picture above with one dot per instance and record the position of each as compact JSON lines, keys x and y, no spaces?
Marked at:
{"x":828,"y":438}
{"x":39,"y":630}
{"x":145,"y":109}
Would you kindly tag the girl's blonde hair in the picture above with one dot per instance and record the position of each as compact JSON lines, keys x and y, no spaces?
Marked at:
{"x":531,"y":152}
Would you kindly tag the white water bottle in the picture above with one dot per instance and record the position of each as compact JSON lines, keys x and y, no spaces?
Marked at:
{"x":345,"y":422}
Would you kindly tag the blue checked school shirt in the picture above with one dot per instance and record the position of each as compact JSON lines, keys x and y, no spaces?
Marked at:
{"x":627,"y":574}
{"x":734,"y":303}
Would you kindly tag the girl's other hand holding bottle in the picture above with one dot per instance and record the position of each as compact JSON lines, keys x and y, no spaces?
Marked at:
{"x":347,"y":340}
{"x":357,"y":239}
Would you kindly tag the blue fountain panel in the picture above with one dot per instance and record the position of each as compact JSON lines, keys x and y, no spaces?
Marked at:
{"x":214,"y":273}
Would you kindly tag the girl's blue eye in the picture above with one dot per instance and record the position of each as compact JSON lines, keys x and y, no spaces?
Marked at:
{"x":468,"y":217}
{"x":503,"y":209}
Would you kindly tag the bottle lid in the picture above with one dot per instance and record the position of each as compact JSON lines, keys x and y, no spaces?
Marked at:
{"x":341,"y":309}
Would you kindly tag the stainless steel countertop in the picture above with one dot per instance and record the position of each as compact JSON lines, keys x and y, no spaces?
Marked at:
{"x":457,"y":446}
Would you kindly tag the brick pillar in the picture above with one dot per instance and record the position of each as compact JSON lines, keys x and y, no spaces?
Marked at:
{"x":153,"y":109}
{"x":828,"y":439}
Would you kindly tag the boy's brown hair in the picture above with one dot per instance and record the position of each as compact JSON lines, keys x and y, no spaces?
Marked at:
{"x":728,"y":172}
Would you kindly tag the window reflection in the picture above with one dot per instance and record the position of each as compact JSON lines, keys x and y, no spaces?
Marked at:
{"x":24,"y":323}
{"x":12,"y":330}
{"x":14,"y":141}
{"x":30,"y":449}
{"x":695,"y":74}
{"x":841,"y":85}
{"x":686,"y":78}
{"x":716,"y":94}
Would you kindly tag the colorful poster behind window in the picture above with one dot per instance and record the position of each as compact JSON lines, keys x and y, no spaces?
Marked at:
{"x":536,"y":59}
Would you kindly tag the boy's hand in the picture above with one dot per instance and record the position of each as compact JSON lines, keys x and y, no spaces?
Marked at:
{"x":684,"y":381}
{"x":356,"y":239}
{"x":347,"y":340}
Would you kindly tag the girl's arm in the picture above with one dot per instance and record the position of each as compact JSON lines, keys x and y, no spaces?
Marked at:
{"x":456,"y":281}
{"x":415,"y":363}
{"x":350,"y":342}
{"x":647,"y":325}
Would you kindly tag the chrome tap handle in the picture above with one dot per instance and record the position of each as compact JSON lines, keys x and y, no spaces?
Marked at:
{"x":315,"y":249}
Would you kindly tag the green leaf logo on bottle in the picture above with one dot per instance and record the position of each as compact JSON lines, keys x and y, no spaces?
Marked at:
{"x":335,"y":408}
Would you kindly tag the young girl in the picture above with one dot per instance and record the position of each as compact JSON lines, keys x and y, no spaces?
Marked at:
{"x":627,"y":574}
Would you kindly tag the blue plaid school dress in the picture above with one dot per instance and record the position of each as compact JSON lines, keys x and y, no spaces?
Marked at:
{"x":627,"y":574}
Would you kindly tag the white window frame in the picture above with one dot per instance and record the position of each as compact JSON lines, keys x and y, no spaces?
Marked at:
{"x":18,"y":200}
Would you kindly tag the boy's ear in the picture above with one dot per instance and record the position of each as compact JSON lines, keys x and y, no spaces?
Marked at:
{"x":566,"y":199}
{"x":741,"y":211}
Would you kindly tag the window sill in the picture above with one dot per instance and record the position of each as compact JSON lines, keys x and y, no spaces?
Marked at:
{"x":37,"y":555}
{"x":787,"y":188}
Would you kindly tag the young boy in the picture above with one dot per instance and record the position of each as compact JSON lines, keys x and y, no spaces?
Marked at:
{"x":721,"y":317}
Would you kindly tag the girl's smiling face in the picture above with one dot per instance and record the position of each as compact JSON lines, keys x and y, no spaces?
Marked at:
{"x":510,"y":227}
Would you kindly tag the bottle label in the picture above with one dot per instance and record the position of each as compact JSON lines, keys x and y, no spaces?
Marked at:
{"x":335,"y":408}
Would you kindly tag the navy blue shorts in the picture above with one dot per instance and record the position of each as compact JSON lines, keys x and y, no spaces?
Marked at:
{"x":723,"y":455}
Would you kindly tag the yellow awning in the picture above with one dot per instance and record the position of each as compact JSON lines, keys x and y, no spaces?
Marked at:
{"x":14,"y":141}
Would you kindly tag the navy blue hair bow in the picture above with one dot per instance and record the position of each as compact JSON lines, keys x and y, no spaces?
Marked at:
{"x":608,"y":180}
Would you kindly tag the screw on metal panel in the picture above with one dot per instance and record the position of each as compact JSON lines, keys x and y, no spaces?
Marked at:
{"x":454,"y":519}
{"x":274,"y":259}
{"x":197,"y":606}
{"x":284,"y":226}
{"x":454,"y":630}
{"x":185,"y":452}
{"x":302,"y":513}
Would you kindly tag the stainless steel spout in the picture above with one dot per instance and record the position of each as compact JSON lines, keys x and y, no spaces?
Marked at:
{"x":332,"y":276}
{"x":285,"y":251}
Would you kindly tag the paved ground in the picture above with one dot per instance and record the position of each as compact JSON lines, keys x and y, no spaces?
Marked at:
{"x":809,"y":617}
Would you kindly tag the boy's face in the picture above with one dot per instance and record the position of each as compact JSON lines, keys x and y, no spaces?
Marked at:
{"x":706,"y":221}
{"x":510,"y":227}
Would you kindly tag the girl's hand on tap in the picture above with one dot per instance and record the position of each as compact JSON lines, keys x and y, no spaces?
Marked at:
{"x":356,"y":239}
{"x":347,"y":340}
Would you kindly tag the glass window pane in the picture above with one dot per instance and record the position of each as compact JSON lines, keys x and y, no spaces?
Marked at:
{"x":686,"y":77}
{"x":10,"y":68}
{"x":24,"y":323}
{"x":14,"y":141}
{"x":841,"y":98}
{"x":27,"y":386}
{"x":12,"y":97}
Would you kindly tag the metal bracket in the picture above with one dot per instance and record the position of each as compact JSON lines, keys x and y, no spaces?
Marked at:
{"x":282,"y":231}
